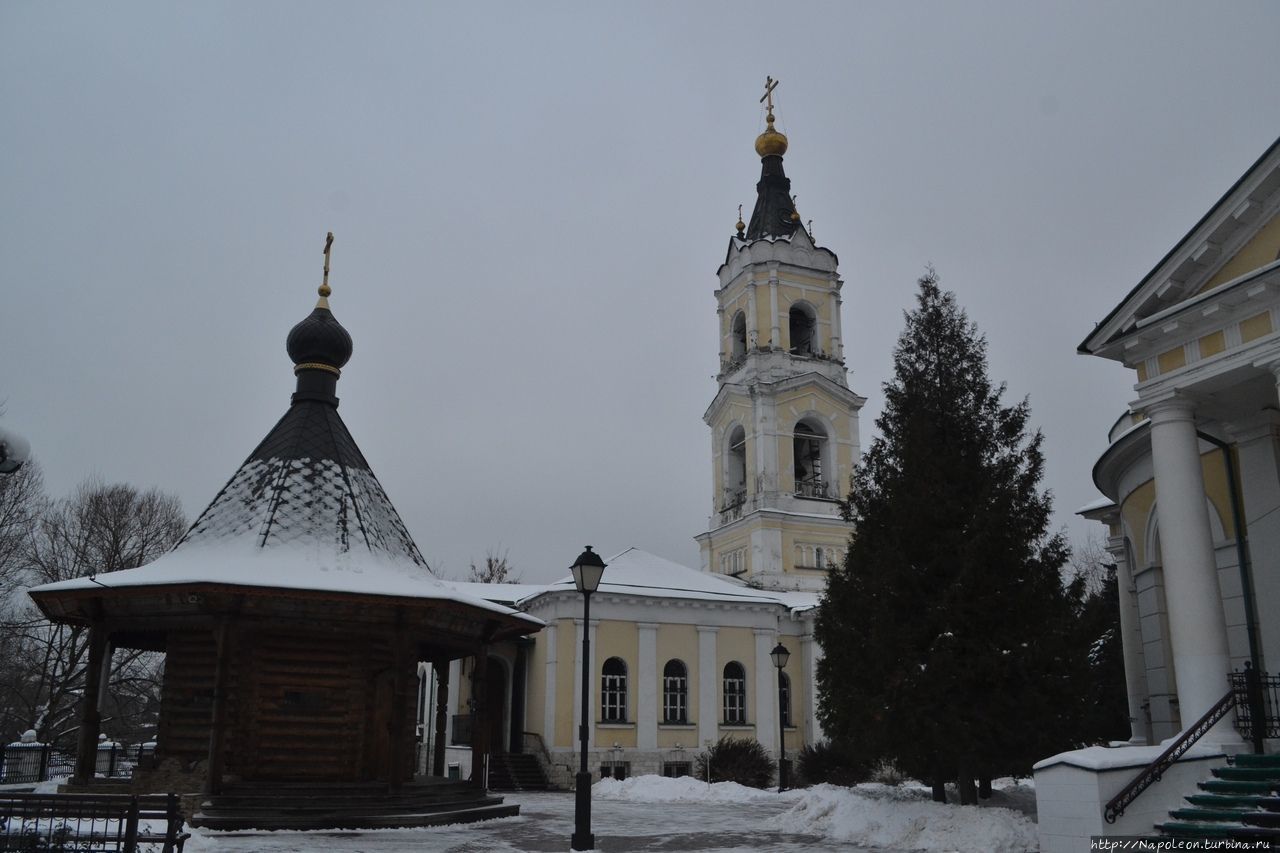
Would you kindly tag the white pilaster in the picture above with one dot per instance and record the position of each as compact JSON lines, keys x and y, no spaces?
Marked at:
{"x":753,"y":319}
{"x":577,"y":686}
{"x":766,"y":677}
{"x":708,"y":681}
{"x":548,"y":641}
{"x":1135,"y":667}
{"x":775,"y":328}
{"x":1197,"y":629}
{"x":837,"y":345}
{"x":648,"y":687}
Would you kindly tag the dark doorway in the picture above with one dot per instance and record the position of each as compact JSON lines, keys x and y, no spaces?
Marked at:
{"x":496,"y":695}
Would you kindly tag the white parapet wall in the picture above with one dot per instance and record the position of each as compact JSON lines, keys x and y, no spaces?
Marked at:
{"x":1073,"y":789}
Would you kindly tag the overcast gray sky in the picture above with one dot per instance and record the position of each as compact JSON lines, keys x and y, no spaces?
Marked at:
{"x":530,"y":203}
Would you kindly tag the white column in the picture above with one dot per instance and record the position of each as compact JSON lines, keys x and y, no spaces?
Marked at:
{"x":1135,"y":667}
{"x":648,"y":687}
{"x":837,"y":347}
{"x":753,"y":321}
{"x":1197,"y":629}
{"x":775,"y":328}
{"x":548,"y":640}
{"x":726,"y":343}
{"x":766,"y":677}
{"x":708,"y":680}
{"x":1258,"y":451}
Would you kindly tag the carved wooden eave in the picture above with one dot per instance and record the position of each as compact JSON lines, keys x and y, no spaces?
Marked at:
{"x":152,"y":611}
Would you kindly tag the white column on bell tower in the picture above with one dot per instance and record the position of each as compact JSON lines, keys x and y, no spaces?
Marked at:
{"x":774,"y":328}
{"x":753,"y":320}
{"x":837,"y":346}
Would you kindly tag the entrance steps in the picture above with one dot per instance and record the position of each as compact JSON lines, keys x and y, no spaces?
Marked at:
{"x":1241,"y":802}
{"x":286,"y":805}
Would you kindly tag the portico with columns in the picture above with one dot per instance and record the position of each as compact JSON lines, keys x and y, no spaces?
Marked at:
{"x":1191,"y":479}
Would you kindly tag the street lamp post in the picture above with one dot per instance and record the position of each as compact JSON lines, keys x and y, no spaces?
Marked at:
{"x":780,"y":657}
{"x":587,"y":570}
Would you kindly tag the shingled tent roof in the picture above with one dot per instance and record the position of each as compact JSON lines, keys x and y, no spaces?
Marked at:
{"x":307,"y":483}
{"x":304,"y":511}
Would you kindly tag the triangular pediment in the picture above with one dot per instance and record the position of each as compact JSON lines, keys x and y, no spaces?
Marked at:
{"x":1239,"y":235}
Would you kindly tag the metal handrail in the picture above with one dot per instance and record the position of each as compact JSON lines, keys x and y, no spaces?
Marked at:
{"x":1154,"y":771}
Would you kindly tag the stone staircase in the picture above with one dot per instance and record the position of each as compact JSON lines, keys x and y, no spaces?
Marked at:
{"x":511,"y":771}
{"x":1241,"y":802}
{"x":347,"y":806}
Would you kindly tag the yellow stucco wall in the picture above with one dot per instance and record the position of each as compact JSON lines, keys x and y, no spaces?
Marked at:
{"x":1172,"y":359}
{"x":1213,"y":344}
{"x":736,"y":644}
{"x":535,"y":709}
{"x":678,"y":641}
{"x":1136,"y":507}
{"x":620,"y":640}
{"x":1260,"y":251}
{"x":1255,"y":326}
{"x":566,"y":640}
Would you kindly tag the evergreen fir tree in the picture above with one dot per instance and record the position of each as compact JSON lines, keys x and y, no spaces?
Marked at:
{"x":947,"y":636}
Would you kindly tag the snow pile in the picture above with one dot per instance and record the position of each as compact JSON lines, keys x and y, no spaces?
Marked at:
{"x":906,"y":819}
{"x":684,"y":789}
{"x":902,"y":818}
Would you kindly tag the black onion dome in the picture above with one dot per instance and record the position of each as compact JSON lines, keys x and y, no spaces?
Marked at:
{"x":319,"y":339}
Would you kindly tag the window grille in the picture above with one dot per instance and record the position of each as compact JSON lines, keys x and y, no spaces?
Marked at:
{"x":613,"y":692}
{"x":735,"y":694}
{"x":675,"y":693}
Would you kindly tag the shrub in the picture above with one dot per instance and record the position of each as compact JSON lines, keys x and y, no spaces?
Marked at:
{"x":743,"y":761}
{"x":837,"y":763}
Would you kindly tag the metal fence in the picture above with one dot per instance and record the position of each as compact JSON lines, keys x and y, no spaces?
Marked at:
{"x":1257,"y":704}
{"x":37,"y":762}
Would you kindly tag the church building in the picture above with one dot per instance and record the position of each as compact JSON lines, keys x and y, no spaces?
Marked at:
{"x":680,"y":657}
{"x":1190,"y":480}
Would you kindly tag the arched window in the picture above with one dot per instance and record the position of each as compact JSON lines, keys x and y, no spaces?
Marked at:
{"x":784,"y":698}
{"x":735,"y":469}
{"x":739,"y":335}
{"x":803,"y":324}
{"x":735,"y":694}
{"x":809,"y":446}
{"x":675,"y":692}
{"x":613,"y":691}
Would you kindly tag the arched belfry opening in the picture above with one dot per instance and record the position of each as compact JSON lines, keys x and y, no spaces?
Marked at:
{"x":738,"y":334}
{"x":809,"y":445}
{"x":735,"y":473}
{"x":803,"y":324}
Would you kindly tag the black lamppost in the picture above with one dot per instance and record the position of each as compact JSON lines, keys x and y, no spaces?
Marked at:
{"x":587,"y":570}
{"x":780,"y":657}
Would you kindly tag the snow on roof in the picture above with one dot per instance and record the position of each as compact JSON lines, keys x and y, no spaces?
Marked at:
{"x":1100,"y":503}
{"x":294,"y":566}
{"x":501,"y":593}
{"x":1114,"y":758}
{"x":637,"y":572}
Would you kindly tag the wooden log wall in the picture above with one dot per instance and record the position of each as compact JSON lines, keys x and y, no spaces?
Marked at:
{"x":186,"y":698}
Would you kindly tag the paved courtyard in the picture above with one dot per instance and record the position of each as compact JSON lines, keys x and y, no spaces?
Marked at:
{"x":545,"y":825}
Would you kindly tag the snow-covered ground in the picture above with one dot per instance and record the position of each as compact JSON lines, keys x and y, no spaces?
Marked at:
{"x":720,"y":818}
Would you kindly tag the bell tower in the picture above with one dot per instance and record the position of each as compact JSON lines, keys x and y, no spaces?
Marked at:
{"x":784,"y":424}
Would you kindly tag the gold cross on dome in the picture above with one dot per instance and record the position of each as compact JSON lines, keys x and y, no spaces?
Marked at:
{"x":769,"y":85}
{"x":324,"y":289}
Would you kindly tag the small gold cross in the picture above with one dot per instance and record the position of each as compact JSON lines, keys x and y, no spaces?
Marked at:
{"x":769,"y":85}
{"x":325,"y":290}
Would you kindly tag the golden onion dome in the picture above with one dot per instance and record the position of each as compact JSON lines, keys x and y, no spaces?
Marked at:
{"x":771,"y":141}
